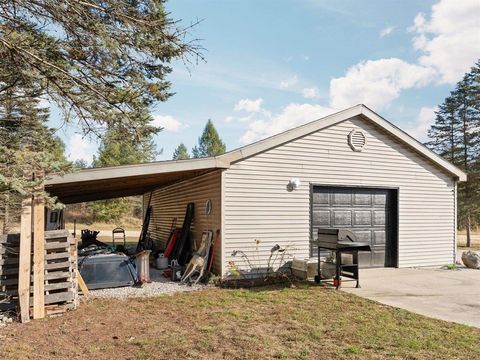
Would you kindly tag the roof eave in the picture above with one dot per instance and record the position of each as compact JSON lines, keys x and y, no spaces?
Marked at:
{"x":161,"y":167}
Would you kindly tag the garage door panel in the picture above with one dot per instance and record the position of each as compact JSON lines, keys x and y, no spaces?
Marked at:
{"x":380,"y":199}
{"x":321,"y":198}
{"x":341,"y":198}
{"x":362,"y":217}
{"x":363,"y":235}
{"x":367,"y":212}
{"x":342,"y":218}
{"x":364,"y":258}
{"x":321,"y":217}
{"x":379,"y":218}
{"x":378,"y":258}
{"x":362,"y":199}
{"x":379,"y":238}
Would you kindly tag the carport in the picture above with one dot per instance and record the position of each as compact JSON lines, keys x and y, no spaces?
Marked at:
{"x":118,"y":181}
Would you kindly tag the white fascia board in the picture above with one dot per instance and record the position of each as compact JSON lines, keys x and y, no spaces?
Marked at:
{"x":159,"y":167}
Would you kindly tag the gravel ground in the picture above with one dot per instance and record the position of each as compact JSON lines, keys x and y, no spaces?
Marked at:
{"x":160,"y":285}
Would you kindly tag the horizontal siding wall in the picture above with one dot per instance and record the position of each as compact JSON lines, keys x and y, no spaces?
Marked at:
{"x":171,"y":201}
{"x":257,"y":204}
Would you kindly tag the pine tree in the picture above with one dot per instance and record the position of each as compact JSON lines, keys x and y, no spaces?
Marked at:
{"x":104,"y":64}
{"x":117,"y":150}
{"x":105,"y":61}
{"x":467,"y":94}
{"x":80,"y":164}
{"x":181,"y":153}
{"x":445,"y":131}
{"x":27,"y":146}
{"x":209,"y":144}
{"x":456,"y":136}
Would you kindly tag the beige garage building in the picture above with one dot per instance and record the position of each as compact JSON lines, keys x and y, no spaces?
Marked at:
{"x":352,"y":169}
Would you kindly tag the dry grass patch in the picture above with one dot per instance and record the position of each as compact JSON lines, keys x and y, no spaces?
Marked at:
{"x":306,"y":322}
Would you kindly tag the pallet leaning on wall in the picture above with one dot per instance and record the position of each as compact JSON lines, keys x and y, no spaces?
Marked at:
{"x":9,"y":246}
{"x":60,"y":282}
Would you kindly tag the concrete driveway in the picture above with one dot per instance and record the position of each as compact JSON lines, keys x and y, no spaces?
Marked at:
{"x":452,"y":295}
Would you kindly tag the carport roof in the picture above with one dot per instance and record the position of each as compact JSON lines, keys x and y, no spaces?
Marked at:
{"x":127,"y":180}
{"x":117,"y":181}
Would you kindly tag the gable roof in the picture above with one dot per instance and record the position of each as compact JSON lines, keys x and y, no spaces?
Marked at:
{"x":358,"y":110}
{"x":116,"y":181}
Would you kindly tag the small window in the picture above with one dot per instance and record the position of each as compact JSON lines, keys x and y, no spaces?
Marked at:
{"x":357,"y":140}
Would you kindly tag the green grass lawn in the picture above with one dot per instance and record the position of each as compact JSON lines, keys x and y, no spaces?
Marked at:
{"x":305,"y":322}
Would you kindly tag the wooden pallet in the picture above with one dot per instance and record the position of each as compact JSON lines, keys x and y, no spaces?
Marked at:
{"x":9,"y":247}
{"x":60,"y":271}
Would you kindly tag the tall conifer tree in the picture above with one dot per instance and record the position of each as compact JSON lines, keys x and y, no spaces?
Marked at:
{"x":102,"y":63}
{"x":210,"y":143}
{"x":456,"y":136}
{"x":181,"y":153}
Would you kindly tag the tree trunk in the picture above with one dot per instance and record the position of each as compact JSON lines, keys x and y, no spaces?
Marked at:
{"x":469,"y":239}
{"x":466,"y":168}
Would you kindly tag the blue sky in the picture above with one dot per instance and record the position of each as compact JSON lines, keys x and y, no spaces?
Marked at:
{"x":272,"y":65}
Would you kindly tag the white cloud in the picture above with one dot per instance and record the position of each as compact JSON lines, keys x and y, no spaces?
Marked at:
{"x":377,"y":83}
{"x":311,"y":93}
{"x":229,"y":119}
{"x":80,"y":148}
{"x":291,"y":116}
{"x":386,"y":31}
{"x":249,"y":105}
{"x":449,"y":45}
{"x":168,"y":123}
{"x":425,"y":118}
{"x":285,"y":84}
{"x":450,"y":39}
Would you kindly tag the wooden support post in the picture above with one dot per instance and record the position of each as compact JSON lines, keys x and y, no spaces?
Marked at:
{"x":25,"y":259}
{"x":38,"y":258}
{"x":82,"y":284}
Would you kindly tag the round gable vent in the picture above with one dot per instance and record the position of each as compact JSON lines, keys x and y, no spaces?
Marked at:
{"x":357,"y":140}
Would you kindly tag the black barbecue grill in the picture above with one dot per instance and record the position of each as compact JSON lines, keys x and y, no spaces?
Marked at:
{"x":340,"y":241}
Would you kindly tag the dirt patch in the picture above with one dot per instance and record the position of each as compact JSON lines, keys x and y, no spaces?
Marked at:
{"x":306,"y":322}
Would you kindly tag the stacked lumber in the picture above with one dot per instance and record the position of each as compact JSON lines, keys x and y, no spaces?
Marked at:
{"x":60,"y":280}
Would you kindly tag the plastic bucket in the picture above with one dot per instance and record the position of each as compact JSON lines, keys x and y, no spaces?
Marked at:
{"x":161,"y":262}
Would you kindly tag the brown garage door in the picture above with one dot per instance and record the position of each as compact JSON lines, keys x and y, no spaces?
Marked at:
{"x":369,"y":213}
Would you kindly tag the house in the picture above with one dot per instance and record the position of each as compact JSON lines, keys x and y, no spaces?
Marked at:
{"x":352,"y":169}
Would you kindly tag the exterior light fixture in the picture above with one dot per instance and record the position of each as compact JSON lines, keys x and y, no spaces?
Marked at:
{"x":293,"y":184}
